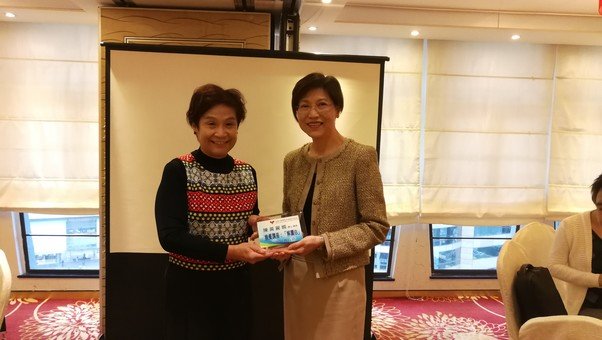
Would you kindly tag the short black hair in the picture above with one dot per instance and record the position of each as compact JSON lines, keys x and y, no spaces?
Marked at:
{"x":313,"y":81}
{"x":596,"y":186}
{"x":207,"y":96}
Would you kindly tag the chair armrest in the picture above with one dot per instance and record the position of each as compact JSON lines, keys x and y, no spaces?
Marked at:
{"x":561,"y":327}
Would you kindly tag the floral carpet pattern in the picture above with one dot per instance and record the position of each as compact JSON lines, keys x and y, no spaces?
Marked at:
{"x":32,"y":319}
{"x":439,"y":318}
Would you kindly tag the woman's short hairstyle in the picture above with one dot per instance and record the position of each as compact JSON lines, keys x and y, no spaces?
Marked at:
{"x":313,"y":81}
{"x":209,"y":95}
{"x":596,"y":186}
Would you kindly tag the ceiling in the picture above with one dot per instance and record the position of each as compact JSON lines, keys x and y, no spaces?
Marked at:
{"x":536,"y":21}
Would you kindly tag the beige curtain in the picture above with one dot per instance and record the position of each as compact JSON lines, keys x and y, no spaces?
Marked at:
{"x":487,"y":118}
{"x":48,"y":117}
{"x":576,"y":134}
{"x":480,"y":133}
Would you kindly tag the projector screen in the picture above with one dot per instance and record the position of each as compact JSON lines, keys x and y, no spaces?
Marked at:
{"x":148,"y":90}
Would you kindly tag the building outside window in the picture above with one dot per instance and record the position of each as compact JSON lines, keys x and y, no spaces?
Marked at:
{"x":60,"y":244}
{"x":467,"y":250}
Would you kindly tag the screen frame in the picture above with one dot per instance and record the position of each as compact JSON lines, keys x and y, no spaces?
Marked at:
{"x":210,"y":51}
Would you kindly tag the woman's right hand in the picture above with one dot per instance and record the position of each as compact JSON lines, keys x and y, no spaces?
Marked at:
{"x":306,"y":245}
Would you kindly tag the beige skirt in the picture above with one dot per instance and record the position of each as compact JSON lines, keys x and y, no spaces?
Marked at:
{"x":323,"y":308}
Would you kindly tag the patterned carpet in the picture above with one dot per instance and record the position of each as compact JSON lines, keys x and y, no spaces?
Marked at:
{"x":32,"y":319}
{"x":461,"y":317}
{"x":438,"y":318}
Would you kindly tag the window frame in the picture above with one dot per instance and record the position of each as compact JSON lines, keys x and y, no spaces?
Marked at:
{"x":463,"y":273}
{"x":386,"y":276}
{"x":71,"y":273}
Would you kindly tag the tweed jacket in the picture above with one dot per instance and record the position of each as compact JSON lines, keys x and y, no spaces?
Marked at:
{"x":571,"y":259}
{"x":348,"y":206}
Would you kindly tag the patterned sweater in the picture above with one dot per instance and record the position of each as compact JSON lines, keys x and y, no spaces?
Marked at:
{"x":202,"y":206}
{"x":348,"y":206}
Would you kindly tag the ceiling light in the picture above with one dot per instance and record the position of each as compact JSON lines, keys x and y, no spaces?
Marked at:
{"x":9,"y":15}
{"x":312,"y":28}
{"x":326,"y":1}
{"x":414,"y":33}
{"x":515,"y":37}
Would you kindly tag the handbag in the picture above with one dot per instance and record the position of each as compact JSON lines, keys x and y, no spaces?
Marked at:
{"x":536,"y":293}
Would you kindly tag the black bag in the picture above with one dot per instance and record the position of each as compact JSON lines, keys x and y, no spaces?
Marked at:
{"x":536,"y":293}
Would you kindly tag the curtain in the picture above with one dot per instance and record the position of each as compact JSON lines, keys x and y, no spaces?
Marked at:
{"x":48,"y":117}
{"x":480,"y":133}
{"x":487,"y":118}
{"x":576,"y":159}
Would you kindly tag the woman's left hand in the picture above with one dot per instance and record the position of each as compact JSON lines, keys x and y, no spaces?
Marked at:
{"x":280,"y":254}
{"x":306,"y":245}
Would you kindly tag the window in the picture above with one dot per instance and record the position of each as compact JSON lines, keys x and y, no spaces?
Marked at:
{"x":60,"y":244}
{"x":383,"y":256}
{"x":467,"y":251}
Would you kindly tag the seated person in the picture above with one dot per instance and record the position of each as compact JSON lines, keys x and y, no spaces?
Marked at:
{"x":576,"y":258}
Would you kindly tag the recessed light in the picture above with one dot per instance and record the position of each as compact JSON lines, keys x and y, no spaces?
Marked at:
{"x":312,"y":28}
{"x":9,"y":15}
{"x":515,"y":37}
{"x":326,"y":1}
{"x":414,"y":33}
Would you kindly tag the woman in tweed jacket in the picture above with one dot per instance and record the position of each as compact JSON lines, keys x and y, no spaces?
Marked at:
{"x":336,"y":182}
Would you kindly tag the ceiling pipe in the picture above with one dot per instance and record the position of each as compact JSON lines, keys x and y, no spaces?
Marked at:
{"x":289,"y":26}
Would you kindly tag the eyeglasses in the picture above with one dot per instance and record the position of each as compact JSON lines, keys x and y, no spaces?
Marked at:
{"x":320,"y":107}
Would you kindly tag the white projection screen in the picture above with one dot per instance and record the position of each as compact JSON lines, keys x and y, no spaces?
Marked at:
{"x":148,"y":90}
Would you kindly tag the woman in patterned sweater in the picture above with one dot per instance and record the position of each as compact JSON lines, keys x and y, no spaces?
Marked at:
{"x":205,"y":209}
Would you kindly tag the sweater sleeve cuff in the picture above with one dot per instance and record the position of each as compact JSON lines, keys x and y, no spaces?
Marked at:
{"x":221,"y":251}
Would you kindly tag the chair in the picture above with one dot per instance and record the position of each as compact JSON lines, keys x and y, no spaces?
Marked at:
{"x":532,"y":244}
{"x":5,"y":284}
